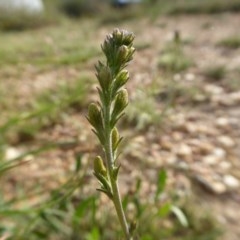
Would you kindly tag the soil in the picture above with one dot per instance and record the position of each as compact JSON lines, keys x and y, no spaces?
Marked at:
{"x":198,"y":140}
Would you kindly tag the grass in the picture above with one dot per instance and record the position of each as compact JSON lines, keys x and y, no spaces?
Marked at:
{"x":215,"y":73}
{"x":46,"y":110}
{"x":81,"y":8}
{"x":57,"y":48}
{"x":232,"y":42}
{"x":143,"y":111}
{"x":232,"y":81}
{"x":203,"y":6}
{"x":162,"y":7}
{"x":20,"y":21}
{"x":173,"y":58}
{"x":68,"y":209}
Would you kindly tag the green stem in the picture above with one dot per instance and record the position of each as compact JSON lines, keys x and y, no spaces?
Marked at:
{"x":110,"y":167}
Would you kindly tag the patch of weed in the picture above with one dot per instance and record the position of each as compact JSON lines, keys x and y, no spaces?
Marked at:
{"x":215,"y":73}
{"x":203,"y":6}
{"x":173,"y":58}
{"x":143,"y":110}
{"x":232,"y":42}
{"x":20,"y":21}
{"x":17,"y":49}
{"x":46,"y":110}
{"x":78,"y":8}
{"x":232,"y":82}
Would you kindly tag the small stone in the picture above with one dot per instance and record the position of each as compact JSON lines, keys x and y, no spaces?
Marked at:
{"x":235,"y":97}
{"x":200,"y":168}
{"x":184,"y":150}
{"x":206,"y":129}
{"x":166,"y":144}
{"x":190,"y":77}
{"x":12,"y":153}
{"x":183,"y":165}
{"x":222,"y":122}
{"x":190,"y":127}
{"x":225,"y":165}
{"x":177,"y":77}
{"x":213,"y":89}
{"x":171,"y":159}
{"x":139,"y":139}
{"x":231,"y":181}
{"x":219,"y":153}
{"x":216,"y":187}
{"x":226,"y":141}
{"x":223,"y":99}
{"x":177,"y":136}
{"x":205,"y":147}
{"x":199,"y":97}
{"x":210,"y":160}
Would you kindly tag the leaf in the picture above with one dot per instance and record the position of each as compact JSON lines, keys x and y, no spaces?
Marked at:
{"x":94,"y":234}
{"x":161,"y":182}
{"x":164,"y":210}
{"x":83,"y":207}
{"x":103,"y":190}
{"x":115,"y":172}
{"x":180,"y":216}
{"x":78,"y":162}
{"x":104,"y":182}
{"x":138,"y":185}
{"x":146,"y":237}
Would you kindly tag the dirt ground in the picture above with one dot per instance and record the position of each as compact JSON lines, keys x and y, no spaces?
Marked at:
{"x":199,"y":140}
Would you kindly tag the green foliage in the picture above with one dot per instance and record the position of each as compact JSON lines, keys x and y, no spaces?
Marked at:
{"x":203,"y":6}
{"x":143,"y":110}
{"x":78,"y":8}
{"x":58,"y":217}
{"x":20,"y":21}
{"x":232,"y":42}
{"x":68,"y":213}
{"x":46,"y":110}
{"x":173,"y":58}
{"x":215,"y":73}
{"x":75,"y":48}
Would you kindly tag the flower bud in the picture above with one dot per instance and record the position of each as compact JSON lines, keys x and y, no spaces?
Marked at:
{"x":106,"y":47}
{"x":117,"y":35}
{"x":122,"y":54}
{"x":99,"y":167}
{"x":120,"y":80}
{"x":131,"y":51}
{"x":122,"y":98}
{"x":104,"y":76}
{"x":121,"y":102}
{"x":115,"y":138}
{"x":128,"y":38}
{"x":122,"y":77}
{"x":94,"y":115}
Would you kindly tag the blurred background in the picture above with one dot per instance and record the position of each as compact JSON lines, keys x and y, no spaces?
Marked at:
{"x":180,"y":159}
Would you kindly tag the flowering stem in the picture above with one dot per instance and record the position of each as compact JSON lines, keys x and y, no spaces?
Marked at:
{"x":103,"y":116}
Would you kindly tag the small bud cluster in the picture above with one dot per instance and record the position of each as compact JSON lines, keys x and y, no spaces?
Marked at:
{"x":118,"y":49}
{"x":104,"y":115}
